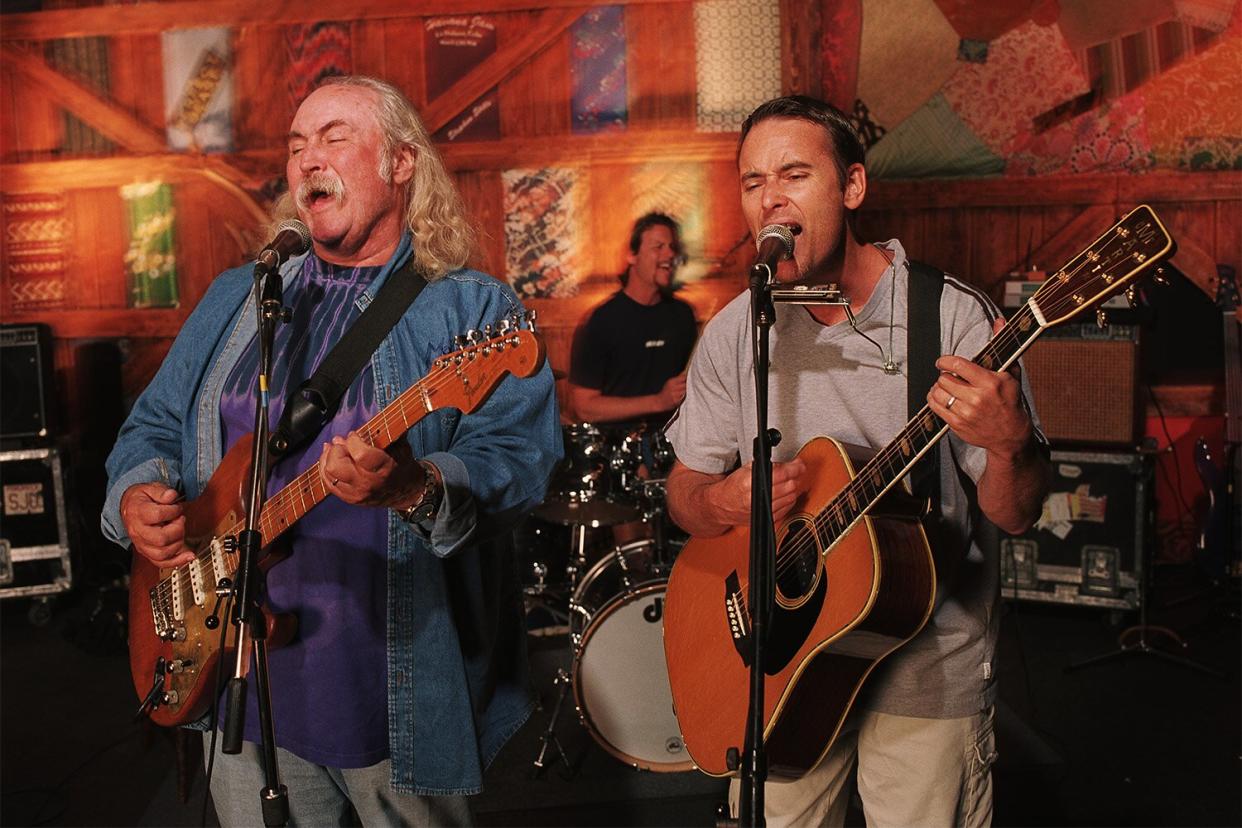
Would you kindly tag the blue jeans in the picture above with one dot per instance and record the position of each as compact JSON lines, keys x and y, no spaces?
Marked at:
{"x":321,"y":796}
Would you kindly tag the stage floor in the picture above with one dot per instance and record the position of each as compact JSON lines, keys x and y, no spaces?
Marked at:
{"x":1134,"y":741}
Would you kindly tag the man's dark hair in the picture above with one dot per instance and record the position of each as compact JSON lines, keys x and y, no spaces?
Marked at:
{"x":847,"y":148}
{"x":645,"y":223}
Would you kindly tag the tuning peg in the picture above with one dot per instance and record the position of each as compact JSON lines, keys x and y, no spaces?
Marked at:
{"x":473,"y":336}
{"x":1159,"y":278}
{"x":1101,"y":318}
{"x":459,"y":341}
{"x":1132,"y":296}
{"x":530,"y":320}
{"x":487,"y":331}
{"x":503,"y":329}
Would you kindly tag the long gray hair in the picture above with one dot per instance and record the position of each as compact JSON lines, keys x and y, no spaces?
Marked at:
{"x":434,"y":212}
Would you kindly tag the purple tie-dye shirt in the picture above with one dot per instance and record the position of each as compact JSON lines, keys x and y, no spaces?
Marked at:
{"x":329,"y":686}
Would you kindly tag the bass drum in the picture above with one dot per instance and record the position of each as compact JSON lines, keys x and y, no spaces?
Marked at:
{"x":620,"y":679}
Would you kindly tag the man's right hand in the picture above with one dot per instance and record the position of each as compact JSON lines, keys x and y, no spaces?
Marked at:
{"x":154,"y":518}
{"x":673,"y":392}
{"x":707,"y":505}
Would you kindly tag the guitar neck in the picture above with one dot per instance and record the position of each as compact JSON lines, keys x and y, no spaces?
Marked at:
{"x":1233,"y":379}
{"x":1137,"y":242}
{"x":894,"y":461}
{"x":307,"y":490}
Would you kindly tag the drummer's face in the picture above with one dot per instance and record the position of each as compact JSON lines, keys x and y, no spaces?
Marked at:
{"x":654,"y":262}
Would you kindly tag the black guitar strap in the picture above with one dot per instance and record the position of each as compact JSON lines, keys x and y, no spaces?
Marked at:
{"x":313,"y":403}
{"x":926,"y":283}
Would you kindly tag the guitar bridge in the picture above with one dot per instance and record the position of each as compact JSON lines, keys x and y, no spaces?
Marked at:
{"x":739,"y":618}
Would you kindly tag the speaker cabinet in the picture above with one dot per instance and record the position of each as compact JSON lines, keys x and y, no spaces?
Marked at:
{"x":1085,"y":382}
{"x":25,"y":384}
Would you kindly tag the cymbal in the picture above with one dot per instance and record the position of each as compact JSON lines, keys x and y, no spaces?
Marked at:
{"x":592,"y":513}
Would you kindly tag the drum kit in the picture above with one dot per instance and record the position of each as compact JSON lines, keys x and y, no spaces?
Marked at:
{"x":608,"y":596}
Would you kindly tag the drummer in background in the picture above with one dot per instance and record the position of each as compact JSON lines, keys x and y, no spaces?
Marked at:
{"x":629,"y":356}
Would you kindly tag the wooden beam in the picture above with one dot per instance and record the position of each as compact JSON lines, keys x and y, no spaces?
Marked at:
{"x":111,"y":121}
{"x":1096,"y":188}
{"x":154,"y":17}
{"x":498,"y":66}
{"x":80,"y":174}
{"x":89,"y":324}
{"x":1196,"y":264}
{"x":1070,"y":240}
{"x":622,"y":147}
{"x":118,"y":125}
{"x":801,"y":63}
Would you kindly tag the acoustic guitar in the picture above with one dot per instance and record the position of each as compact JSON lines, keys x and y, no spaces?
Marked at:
{"x":175,"y":613}
{"x":854,"y":579}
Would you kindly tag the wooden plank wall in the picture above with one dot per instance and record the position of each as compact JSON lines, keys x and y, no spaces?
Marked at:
{"x":980,"y":229}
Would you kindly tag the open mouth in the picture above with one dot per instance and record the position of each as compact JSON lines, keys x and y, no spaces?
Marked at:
{"x":318,"y":197}
{"x":319,"y":191}
{"x":796,"y":229}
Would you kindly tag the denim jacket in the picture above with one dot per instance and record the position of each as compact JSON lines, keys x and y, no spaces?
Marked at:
{"x":457,"y":680}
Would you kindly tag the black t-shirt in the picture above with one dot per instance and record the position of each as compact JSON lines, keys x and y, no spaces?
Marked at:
{"x":625,"y":349}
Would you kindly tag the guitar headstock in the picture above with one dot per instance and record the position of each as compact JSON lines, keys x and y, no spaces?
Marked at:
{"x":1113,"y":261}
{"x":464,"y":378}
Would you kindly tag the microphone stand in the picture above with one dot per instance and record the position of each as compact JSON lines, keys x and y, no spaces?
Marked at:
{"x":762,"y":543}
{"x":754,"y":764}
{"x":248,"y":581}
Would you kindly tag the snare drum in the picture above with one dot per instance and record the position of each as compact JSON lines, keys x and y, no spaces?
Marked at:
{"x":620,"y":679}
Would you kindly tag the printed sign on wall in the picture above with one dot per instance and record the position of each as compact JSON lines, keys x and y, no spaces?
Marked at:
{"x":542,"y":218}
{"x":198,"y":90}
{"x":452,"y":47}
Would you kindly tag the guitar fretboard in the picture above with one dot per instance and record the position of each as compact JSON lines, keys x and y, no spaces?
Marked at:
{"x":892,"y":462}
{"x":461,"y":379}
{"x":1134,"y":244}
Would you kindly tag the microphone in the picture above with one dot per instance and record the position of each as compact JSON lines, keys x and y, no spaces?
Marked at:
{"x":775,"y":244}
{"x":292,"y":238}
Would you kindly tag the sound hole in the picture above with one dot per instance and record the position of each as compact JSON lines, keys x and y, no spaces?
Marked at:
{"x":797,"y":561}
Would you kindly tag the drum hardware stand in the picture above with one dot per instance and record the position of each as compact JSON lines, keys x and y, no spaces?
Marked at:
{"x":654,"y":492}
{"x":549,"y":734}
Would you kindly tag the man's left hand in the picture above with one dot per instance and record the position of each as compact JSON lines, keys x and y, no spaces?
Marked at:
{"x":983,"y":407}
{"x":362,"y":474}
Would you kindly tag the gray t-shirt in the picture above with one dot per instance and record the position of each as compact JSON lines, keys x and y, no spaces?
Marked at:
{"x":829,"y":381}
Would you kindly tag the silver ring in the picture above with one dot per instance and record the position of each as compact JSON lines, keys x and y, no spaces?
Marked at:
{"x":952,"y":399}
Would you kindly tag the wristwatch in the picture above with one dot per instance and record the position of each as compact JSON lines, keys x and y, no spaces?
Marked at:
{"x":428,"y":500}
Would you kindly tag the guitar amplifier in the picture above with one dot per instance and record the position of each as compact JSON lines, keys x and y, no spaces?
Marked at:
{"x":33,"y":525}
{"x":1088,"y":546}
{"x":1085,"y":384}
{"x":26,"y":383}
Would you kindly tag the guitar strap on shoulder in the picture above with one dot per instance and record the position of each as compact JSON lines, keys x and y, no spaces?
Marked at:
{"x":925,"y":285}
{"x":313,"y":403}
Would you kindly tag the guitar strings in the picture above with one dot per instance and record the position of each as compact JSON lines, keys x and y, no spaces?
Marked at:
{"x":406,"y":403}
{"x":800,"y":545}
{"x":1009,"y":337}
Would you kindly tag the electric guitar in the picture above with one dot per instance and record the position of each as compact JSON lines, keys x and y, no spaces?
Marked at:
{"x":1220,"y":535}
{"x":175,"y":613}
{"x":854,"y":573}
